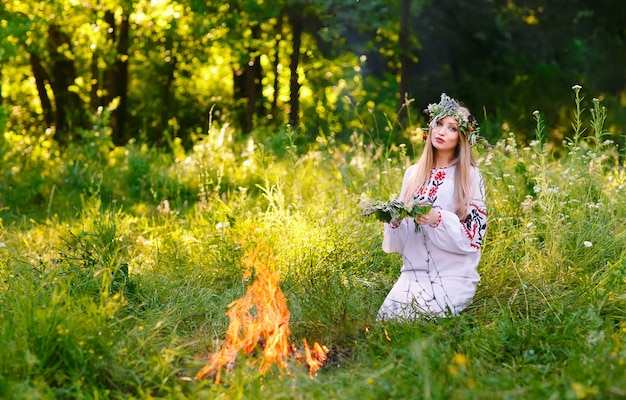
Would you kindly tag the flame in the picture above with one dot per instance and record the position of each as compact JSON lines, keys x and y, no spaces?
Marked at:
{"x":260,"y":320}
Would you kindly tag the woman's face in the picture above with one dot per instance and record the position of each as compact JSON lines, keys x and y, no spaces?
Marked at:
{"x":445,"y":134}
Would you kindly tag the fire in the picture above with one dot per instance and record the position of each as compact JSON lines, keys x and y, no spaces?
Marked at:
{"x":260,"y":320}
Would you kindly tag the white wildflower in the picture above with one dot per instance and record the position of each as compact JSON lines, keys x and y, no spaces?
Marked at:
{"x":164,"y":207}
{"x":587,"y":243}
{"x":222,"y":225}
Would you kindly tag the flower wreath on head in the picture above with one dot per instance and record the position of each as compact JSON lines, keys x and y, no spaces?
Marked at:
{"x":447,"y":106}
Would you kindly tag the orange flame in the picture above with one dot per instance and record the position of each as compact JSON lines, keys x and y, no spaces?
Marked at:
{"x":260,"y":319}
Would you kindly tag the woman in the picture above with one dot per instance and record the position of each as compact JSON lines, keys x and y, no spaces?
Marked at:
{"x":441,"y":248}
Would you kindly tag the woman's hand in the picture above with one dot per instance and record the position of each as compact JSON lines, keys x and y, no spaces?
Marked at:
{"x":429,"y":218}
{"x":394,"y":223}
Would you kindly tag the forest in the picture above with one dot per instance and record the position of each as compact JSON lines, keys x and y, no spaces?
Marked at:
{"x":158,"y":70}
{"x":182,"y":190}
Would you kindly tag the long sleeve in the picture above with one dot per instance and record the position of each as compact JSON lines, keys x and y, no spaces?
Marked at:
{"x":465,"y":236}
{"x":394,"y":239}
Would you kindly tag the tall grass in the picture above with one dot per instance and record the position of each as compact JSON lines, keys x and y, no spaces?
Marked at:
{"x":114,"y":284}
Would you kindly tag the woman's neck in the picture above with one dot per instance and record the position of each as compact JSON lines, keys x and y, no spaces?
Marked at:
{"x":443,"y":160}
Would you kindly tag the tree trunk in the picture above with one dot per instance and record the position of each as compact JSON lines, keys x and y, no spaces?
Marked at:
{"x":254,"y":76}
{"x":403,"y":48}
{"x":116,"y":76}
{"x":251,"y":89}
{"x":168,"y":74}
{"x":239,"y":93}
{"x":279,"y":35}
{"x":248,"y":86}
{"x":70,"y":112}
{"x":41,"y":77}
{"x":294,"y":85}
{"x":95,"y":100}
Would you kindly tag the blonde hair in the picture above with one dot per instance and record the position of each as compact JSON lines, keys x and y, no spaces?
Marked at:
{"x":463,"y":162}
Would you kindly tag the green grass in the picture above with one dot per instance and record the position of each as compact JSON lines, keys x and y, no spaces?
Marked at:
{"x":116,"y":270}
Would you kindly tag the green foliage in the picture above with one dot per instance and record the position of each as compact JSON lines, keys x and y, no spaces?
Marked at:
{"x":115,"y":284}
{"x":183,"y":60}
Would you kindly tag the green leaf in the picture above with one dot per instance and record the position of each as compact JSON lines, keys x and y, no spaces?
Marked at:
{"x":393,"y":209}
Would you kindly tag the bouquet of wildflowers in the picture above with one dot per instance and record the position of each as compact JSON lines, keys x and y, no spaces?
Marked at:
{"x":393,"y":209}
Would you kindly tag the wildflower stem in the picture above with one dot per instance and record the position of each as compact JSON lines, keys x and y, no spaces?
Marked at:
{"x":539,"y":131}
{"x":577,"y":124}
{"x":598,"y":117}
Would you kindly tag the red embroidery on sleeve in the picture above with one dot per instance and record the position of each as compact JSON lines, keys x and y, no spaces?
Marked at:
{"x":475,"y":225}
{"x":436,"y":224}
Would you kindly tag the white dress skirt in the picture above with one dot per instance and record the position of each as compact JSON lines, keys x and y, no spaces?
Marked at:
{"x":438,"y":275}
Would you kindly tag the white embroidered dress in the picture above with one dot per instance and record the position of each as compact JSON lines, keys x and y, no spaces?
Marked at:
{"x":438,"y":275}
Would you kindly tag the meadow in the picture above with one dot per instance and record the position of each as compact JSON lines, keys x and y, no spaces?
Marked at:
{"x":117,"y":266}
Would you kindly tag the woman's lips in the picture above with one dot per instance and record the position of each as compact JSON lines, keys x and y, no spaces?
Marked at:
{"x":439,"y":140}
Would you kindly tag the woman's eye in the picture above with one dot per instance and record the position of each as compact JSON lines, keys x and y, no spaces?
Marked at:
{"x":439,"y":123}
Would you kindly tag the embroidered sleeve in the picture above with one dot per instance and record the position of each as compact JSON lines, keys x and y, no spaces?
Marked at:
{"x":463,"y":237}
{"x":436,"y":223}
{"x":475,"y":225}
{"x":394,"y":239}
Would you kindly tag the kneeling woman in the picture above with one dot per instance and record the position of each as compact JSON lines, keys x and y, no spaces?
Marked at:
{"x":440,"y":255}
